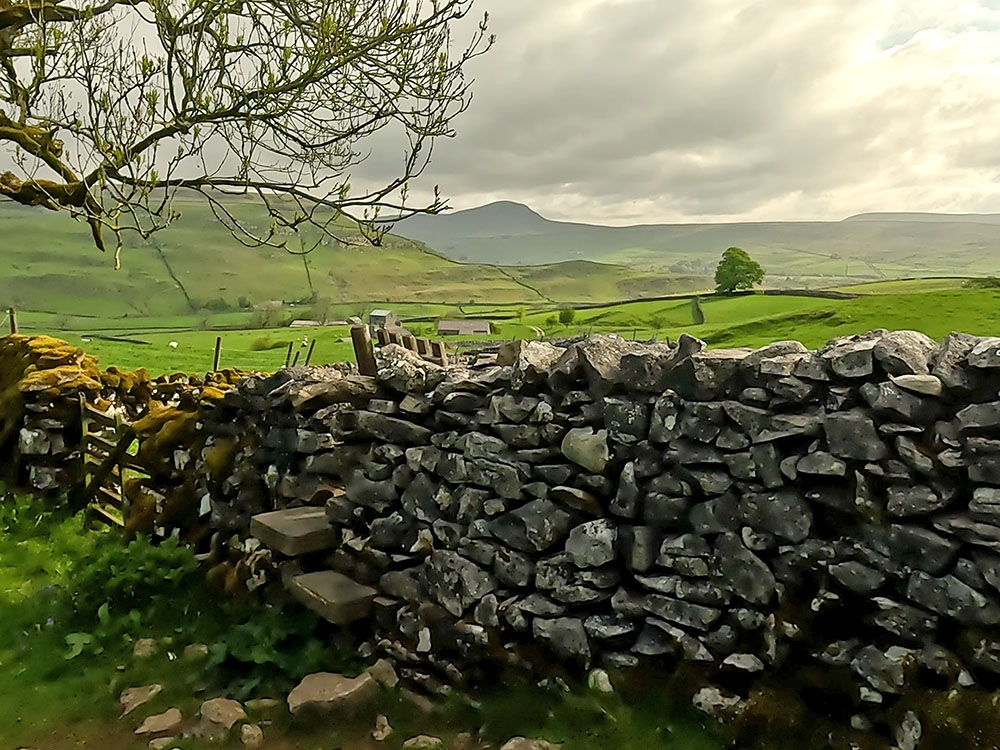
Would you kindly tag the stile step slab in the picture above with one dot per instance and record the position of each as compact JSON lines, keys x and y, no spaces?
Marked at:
{"x":333,"y":596}
{"x":295,"y":531}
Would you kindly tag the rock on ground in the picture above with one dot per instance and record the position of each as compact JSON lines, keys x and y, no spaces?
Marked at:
{"x":326,"y":691}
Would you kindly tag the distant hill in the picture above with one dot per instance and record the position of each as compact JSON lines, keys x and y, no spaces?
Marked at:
{"x":50,"y":265}
{"x":864,"y":247}
{"x":929,"y":218}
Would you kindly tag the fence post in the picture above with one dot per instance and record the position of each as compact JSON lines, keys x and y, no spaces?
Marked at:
{"x":312,"y":345}
{"x":288,"y":354}
{"x":12,"y":313}
{"x":218,"y":354}
{"x":363,"y":352}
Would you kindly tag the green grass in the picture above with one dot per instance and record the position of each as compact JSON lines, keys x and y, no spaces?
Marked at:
{"x":53,"y":268}
{"x":906,"y":286}
{"x":751,"y":320}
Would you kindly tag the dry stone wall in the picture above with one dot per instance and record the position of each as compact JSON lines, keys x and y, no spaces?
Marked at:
{"x":42,"y":381}
{"x":613,"y":503}
{"x":607,"y":503}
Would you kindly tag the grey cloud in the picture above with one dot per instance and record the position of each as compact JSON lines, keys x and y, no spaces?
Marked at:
{"x":659,"y":109}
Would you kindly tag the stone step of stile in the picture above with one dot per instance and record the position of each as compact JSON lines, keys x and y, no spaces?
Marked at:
{"x":333,"y":596}
{"x":294,"y":531}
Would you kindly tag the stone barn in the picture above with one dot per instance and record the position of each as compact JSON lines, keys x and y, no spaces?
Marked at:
{"x":464,"y":328}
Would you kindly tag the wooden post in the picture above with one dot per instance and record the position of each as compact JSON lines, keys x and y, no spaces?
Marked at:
{"x":363,"y":352}
{"x":296,"y":360}
{"x":12,"y":313}
{"x":288,"y":354}
{"x":312,"y":345}
{"x":218,"y":353}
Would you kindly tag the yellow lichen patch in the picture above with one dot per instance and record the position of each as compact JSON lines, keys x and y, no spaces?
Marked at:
{"x":58,"y":379}
{"x":158,"y":415}
{"x":218,"y":458}
{"x":211,"y":393}
{"x":162,"y":432}
{"x":142,"y":509}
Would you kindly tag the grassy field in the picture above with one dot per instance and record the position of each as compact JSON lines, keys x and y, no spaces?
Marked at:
{"x":51,"y":267}
{"x":752,"y":320}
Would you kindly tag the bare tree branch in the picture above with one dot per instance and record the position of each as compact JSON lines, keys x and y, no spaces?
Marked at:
{"x":111,"y":109}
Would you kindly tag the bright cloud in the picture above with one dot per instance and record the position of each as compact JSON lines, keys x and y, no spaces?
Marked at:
{"x":659,"y":110}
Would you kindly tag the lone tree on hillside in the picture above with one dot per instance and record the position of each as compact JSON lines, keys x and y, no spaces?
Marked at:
{"x":737,"y":271}
{"x":109,"y":108}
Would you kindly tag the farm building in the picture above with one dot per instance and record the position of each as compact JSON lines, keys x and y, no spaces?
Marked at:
{"x":383,"y":319}
{"x":464,"y":328}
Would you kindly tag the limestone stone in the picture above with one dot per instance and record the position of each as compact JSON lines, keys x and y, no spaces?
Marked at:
{"x":566,"y":636}
{"x":905,"y":352}
{"x":857,"y":577}
{"x":600,"y":682}
{"x":852,"y":434}
{"x":664,"y":423}
{"x":144,"y":648}
{"x":456,"y":583}
{"x":169,"y":722}
{"x":358,"y":425}
{"x":686,"y":614}
{"x":627,"y":420}
{"x":980,"y":416}
{"x":222,"y":712}
{"x":294,"y":531}
{"x":587,"y":448}
{"x":534,"y":527}
{"x":821,"y":463}
{"x":709,"y":374}
{"x":908,"y":622}
{"x":423,"y":742}
{"x":783,"y":513}
{"x":593,"y":544}
{"x":330,"y":692}
{"x":852,"y":357}
{"x":251,"y":735}
{"x":890,"y":400}
{"x":742,"y":571}
{"x":133,"y":698}
{"x":333,"y":596}
{"x":986,"y":354}
{"x":384,"y":673}
{"x":522,"y":743}
{"x":712,"y":701}
{"x":924,"y":385}
{"x":914,"y":500}
{"x":949,"y":596}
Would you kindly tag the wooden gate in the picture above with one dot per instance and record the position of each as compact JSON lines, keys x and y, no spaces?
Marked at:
{"x":107,"y":450}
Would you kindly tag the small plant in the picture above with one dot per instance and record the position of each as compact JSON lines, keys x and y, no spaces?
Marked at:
{"x":266,"y":343}
{"x":697,"y":314}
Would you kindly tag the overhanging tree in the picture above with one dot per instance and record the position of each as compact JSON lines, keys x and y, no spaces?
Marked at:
{"x":110,"y":109}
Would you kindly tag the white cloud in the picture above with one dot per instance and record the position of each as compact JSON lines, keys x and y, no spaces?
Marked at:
{"x":659,"y":110}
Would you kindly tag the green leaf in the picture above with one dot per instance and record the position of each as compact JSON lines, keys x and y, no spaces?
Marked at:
{"x":104,"y":614}
{"x":77,"y":642}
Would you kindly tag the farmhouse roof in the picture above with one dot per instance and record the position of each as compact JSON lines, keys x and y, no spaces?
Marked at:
{"x":464,"y":327}
{"x":381,"y":313}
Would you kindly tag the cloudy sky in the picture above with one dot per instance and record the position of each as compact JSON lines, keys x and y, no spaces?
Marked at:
{"x":622,"y":111}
